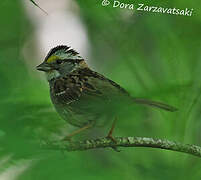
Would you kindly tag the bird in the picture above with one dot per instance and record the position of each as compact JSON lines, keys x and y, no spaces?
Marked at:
{"x":83,"y":97}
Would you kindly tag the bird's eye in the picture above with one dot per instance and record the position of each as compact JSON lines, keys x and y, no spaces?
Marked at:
{"x":58,"y":61}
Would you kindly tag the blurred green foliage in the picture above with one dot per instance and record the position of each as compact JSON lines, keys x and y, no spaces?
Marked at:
{"x":155,"y":56}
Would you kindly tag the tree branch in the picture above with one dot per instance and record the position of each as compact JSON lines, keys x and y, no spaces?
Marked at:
{"x":124,"y":142}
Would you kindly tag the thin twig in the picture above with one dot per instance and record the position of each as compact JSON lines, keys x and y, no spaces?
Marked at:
{"x":38,"y":6}
{"x":124,"y":142}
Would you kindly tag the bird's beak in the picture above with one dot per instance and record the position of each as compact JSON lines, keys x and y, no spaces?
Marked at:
{"x":43,"y":67}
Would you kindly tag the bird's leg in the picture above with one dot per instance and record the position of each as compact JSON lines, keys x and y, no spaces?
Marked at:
{"x":110,"y":135}
{"x":69,"y":136}
{"x":111,"y":131}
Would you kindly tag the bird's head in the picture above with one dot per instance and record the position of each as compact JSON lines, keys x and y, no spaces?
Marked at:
{"x":61,"y":60}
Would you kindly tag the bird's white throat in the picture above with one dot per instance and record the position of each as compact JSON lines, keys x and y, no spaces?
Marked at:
{"x":52,"y":74}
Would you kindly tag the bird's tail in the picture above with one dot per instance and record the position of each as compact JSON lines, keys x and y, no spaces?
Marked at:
{"x":155,"y":104}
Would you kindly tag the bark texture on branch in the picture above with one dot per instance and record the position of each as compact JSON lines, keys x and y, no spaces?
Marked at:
{"x":124,"y":142}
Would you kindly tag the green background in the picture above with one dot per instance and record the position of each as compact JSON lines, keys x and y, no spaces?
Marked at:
{"x":155,"y":56}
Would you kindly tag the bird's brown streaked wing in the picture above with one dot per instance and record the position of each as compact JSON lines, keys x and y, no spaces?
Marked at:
{"x":101,"y":84}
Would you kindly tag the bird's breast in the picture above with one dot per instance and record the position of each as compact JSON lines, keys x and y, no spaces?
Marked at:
{"x":65,"y":91}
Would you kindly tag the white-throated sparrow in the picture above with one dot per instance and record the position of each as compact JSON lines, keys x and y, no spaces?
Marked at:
{"x":83,"y":97}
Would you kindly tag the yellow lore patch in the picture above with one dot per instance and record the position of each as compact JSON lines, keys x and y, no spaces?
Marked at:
{"x":52,"y":59}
